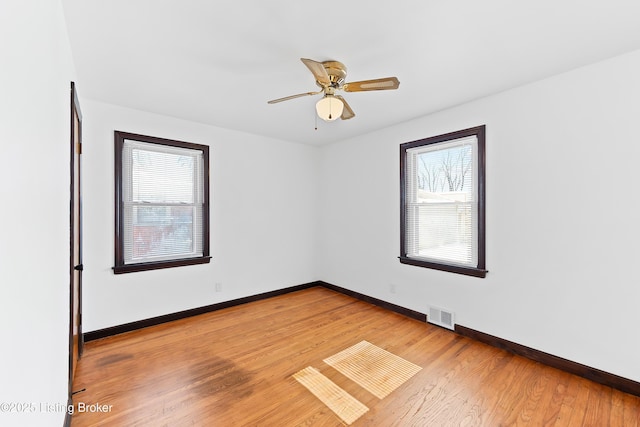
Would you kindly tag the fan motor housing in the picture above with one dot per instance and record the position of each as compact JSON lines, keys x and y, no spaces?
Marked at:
{"x":337,"y":72}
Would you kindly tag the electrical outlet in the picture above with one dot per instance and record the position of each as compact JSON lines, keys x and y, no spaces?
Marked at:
{"x":218,"y":287}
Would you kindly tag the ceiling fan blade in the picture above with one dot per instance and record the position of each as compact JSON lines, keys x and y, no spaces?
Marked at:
{"x":347,"y":112}
{"x":286,"y":98}
{"x":386,"y":83}
{"x":318,"y":71}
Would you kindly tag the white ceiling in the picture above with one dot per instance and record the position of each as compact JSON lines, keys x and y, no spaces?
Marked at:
{"x":220,"y":61}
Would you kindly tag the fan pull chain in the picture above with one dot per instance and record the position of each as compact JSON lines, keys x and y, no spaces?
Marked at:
{"x":316,"y":117}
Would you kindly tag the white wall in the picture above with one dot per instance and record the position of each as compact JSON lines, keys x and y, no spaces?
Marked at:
{"x":562,"y":229}
{"x":35,"y":76}
{"x":263,"y":220}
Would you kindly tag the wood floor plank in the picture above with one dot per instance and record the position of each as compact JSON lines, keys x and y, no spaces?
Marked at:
{"x":233,"y":367}
{"x":557,"y":394}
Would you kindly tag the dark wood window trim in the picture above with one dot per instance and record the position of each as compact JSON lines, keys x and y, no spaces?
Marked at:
{"x":120,"y":266}
{"x":480,"y":269}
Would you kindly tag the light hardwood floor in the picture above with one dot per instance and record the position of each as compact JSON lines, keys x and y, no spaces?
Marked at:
{"x":233,"y":367}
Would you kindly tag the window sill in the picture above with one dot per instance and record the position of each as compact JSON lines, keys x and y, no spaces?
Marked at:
{"x":144,"y":266}
{"x":468,"y":271}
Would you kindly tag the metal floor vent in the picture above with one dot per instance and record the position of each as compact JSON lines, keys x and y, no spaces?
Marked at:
{"x":441,"y":317}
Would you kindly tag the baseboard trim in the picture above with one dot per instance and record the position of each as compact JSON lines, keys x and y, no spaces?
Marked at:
{"x":617,"y":382}
{"x":377,"y":302}
{"x":620,"y":383}
{"x":139,"y":324}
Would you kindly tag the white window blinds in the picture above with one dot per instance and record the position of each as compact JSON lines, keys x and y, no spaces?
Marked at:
{"x":163,"y":199}
{"x":442,"y":202}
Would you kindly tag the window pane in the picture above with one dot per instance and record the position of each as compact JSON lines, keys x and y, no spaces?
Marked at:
{"x":163,"y":205}
{"x":160,"y":177}
{"x":163,"y":232}
{"x":445,"y":170}
{"x":445,"y":232}
{"x":442,"y":202}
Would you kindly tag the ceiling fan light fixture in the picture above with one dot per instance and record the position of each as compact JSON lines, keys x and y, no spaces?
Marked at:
{"x":329,"y":76}
{"x":329,"y":108}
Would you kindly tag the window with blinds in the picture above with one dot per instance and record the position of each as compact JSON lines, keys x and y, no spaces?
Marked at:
{"x":162,"y":203}
{"x":442,"y":203}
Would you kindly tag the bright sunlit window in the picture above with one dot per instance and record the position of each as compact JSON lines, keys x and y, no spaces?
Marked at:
{"x":442,"y":203}
{"x":162,"y":203}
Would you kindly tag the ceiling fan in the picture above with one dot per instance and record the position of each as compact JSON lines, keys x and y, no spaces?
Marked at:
{"x":330,"y":77}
